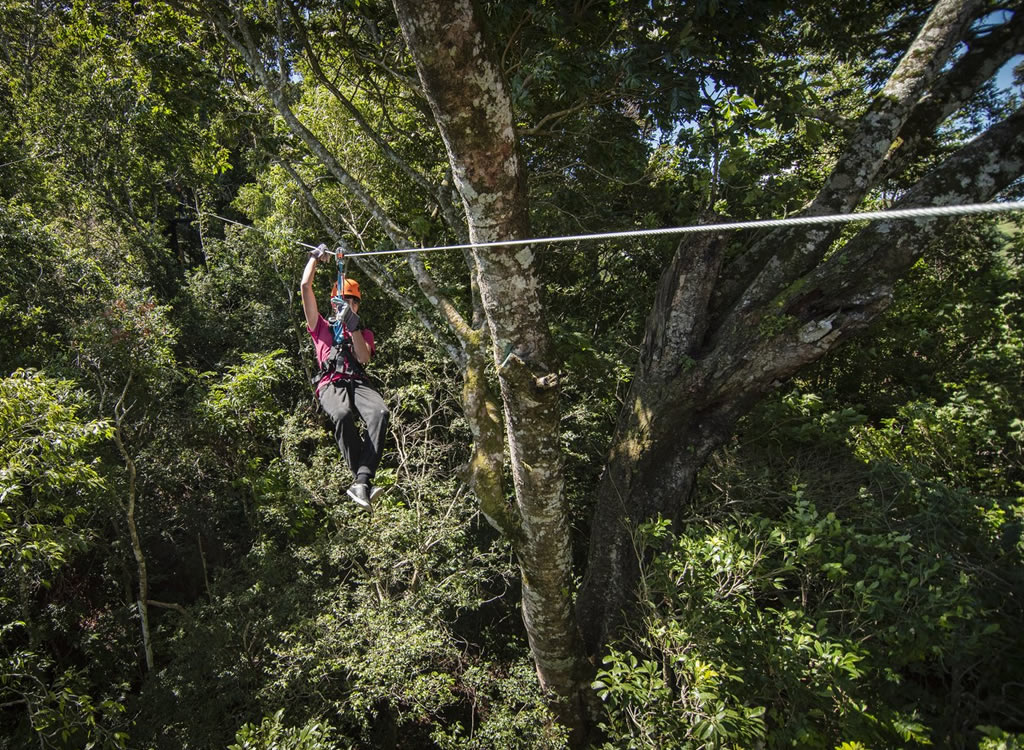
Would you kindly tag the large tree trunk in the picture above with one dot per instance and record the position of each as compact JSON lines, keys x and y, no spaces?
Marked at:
{"x":720,"y":337}
{"x":661,"y":440}
{"x":468,"y":98}
{"x":694,"y":382}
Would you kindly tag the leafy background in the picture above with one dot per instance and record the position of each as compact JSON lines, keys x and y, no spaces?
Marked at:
{"x":851,"y":571}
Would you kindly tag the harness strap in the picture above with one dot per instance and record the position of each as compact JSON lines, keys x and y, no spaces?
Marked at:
{"x":342,"y":350}
{"x":338,"y":299}
{"x":342,"y":346}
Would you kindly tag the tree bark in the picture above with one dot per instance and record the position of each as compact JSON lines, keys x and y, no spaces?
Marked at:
{"x":984,"y":58}
{"x":719,"y":339}
{"x":142,"y":603}
{"x":486,"y":465}
{"x":787,"y":253}
{"x":688,"y":394}
{"x":647,"y":473}
{"x":466,"y":92}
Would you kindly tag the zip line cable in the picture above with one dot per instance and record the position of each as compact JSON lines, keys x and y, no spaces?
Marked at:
{"x":250,"y":226}
{"x":929,"y":212}
{"x":27,"y":158}
{"x":905,"y":213}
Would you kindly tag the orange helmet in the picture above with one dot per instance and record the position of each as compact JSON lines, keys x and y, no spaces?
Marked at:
{"x":351,"y":289}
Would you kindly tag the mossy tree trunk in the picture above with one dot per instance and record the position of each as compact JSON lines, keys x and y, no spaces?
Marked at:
{"x":722,"y":335}
{"x":468,"y":97}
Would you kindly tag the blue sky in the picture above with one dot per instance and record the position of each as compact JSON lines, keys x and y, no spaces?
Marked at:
{"x":1004,"y":79}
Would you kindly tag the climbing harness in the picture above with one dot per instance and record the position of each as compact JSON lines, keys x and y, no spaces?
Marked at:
{"x":341,"y":359}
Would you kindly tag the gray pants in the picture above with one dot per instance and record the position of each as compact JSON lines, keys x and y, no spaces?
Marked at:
{"x":344,"y":400}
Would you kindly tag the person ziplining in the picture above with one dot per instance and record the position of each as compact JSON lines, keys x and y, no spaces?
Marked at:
{"x":343,"y":349}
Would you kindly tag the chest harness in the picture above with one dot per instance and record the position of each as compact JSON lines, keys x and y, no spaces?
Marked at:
{"x":340,"y":359}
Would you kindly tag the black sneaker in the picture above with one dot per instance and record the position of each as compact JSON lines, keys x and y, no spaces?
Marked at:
{"x":360,"y":495}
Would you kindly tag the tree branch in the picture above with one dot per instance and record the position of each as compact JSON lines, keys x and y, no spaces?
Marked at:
{"x":560,"y":114}
{"x":873,"y":260}
{"x":120,"y":411}
{"x":846,"y":293}
{"x":249,"y":49}
{"x":168,"y":605}
{"x":786,"y":254}
{"x":678,"y":318}
{"x":357,"y":116}
{"x":952,"y":91}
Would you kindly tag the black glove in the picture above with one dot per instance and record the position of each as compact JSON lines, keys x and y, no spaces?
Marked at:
{"x":348,"y":317}
{"x":319,"y":251}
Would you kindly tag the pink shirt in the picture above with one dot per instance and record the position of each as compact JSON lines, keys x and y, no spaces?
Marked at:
{"x":323,"y":340}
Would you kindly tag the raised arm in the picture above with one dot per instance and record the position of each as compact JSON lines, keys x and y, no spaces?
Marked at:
{"x":309,"y":308}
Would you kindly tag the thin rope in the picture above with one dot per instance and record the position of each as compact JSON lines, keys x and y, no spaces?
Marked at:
{"x":27,"y":158}
{"x":930,"y":212}
{"x":250,"y":226}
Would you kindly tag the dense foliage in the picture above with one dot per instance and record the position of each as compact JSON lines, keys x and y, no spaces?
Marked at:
{"x":178,"y":568}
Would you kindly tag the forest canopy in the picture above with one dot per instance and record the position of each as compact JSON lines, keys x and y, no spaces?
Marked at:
{"x":758,"y":488}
